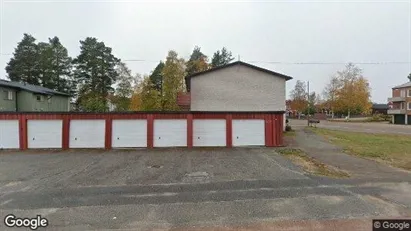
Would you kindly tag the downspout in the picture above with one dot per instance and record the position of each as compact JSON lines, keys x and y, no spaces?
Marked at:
{"x":16,"y":102}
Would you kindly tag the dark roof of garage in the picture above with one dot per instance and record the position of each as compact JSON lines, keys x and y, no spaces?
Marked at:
{"x":187,"y":78}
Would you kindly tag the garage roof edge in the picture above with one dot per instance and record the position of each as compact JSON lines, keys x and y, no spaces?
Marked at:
{"x":150,"y":112}
{"x":286,"y":77}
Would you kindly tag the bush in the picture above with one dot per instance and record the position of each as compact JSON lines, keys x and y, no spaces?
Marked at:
{"x":387,"y":117}
{"x":288,"y":128}
{"x":380,"y":117}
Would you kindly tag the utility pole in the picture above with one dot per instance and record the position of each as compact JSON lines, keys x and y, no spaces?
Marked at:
{"x":308,"y":109}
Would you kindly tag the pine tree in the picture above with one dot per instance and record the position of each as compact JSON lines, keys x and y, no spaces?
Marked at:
{"x":95,"y":73}
{"x":221,"y":58}
{"x":156,"y":76}
{"x":44,"y":64}
{"x":61,"y":66}
{"x":24,"y":65}
{"x":198,"y":62}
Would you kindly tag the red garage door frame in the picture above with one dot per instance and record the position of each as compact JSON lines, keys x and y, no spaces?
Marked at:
{"x":273,"y":123}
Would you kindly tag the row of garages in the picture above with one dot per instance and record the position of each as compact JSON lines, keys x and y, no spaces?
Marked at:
{"x":402,"y":119}
{"x":69,"y":132}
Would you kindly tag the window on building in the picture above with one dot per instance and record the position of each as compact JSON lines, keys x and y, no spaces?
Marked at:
{"x":409,"y":105}
{"x":402,"y":93}
{"x":39,"y":98}
{"x":8,"y":95}
{"x":409,"y":92}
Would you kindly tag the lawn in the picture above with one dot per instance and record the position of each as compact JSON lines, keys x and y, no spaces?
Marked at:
{"x":290,"y":133}
{"x":310,"y":164}
{"x":392,"y":149}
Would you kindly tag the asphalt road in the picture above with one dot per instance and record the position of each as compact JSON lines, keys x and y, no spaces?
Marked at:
{"x":381,"y":128}
{"x":184,"y":189}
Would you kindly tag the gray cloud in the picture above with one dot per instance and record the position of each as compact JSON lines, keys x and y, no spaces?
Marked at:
{"x":257,"y":31}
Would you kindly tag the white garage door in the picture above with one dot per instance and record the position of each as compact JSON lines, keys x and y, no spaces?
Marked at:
{"x":129,"y":133}
{"x":209,"y":132}
{"x":170,"y":133}
{"x":248,"y":132}
{"x":44,"y":133}
{"x":9,"y":134}
{"x":87,"y":133}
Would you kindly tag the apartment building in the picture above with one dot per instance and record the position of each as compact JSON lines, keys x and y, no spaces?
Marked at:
{"x":400,"y":104}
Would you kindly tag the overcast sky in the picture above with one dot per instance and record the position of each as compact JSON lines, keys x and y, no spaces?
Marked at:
{"x":263,"y":31}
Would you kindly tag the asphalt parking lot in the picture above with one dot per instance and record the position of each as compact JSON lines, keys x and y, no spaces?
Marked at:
{"x":39,"y":170}
{"x":181,"y":188}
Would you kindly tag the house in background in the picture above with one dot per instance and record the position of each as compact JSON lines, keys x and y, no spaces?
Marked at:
{"x":237,"y":86}
{"x":21,"y":97}
{"x":400,"y":104}
{"x":380,"y":108}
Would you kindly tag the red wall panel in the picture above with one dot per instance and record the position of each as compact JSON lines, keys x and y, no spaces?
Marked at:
{"x":189,"y":130}
{"x":170,"y":116}
{"x":150,"y":131}
{"x":277,"y":130}
{"x":280,"y":130}
{"x":273,"y":123}
{"x":9,"y":116}
{"x":66,"y":133}
{"x":248,"y":116}
{"x":268,"y":130}
{"x":23,"y":132}
{"x":209,"y":116}
{"x":229,"y":127}
{"x":109,"y":128}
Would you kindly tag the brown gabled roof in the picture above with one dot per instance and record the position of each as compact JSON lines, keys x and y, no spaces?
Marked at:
{"x":286,"y":77}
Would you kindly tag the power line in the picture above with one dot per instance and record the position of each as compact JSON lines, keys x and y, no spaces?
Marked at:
{"x":140,"y":60}
{"x":283,"y":62}
{"x":298,"y":63}
{"x":330,"y":63}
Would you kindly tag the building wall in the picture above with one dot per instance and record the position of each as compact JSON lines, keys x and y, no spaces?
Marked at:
{"x":237,"y":88}
{"x":407,"y":97}
{"x":396,"y":92}
{"x":24,"y":101}
{"x":5,"y":104}
{"x":396,"y":105}
{"x":408,"y":100}
{"x":27,"y":101}
{"x":404,"y":118}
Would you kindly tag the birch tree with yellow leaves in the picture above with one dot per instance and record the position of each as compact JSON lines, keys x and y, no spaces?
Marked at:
{"x":349,"y":92}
